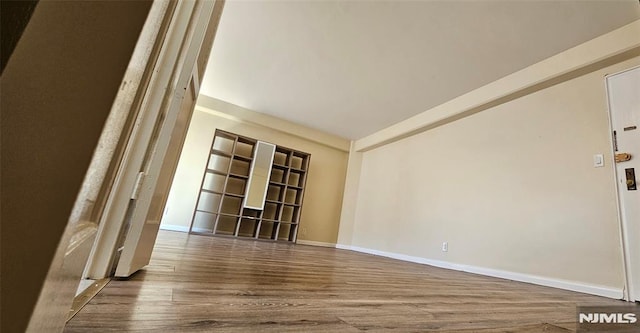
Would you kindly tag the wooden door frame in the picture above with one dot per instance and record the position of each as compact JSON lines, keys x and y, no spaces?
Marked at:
{"x":140,"y":236}
{"x":130,"y":176}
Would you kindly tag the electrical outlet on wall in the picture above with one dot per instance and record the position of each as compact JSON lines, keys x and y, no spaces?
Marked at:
{"x":445,"y":246}
{"x":303,"y":230}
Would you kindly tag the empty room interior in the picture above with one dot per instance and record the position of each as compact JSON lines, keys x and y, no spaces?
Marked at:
{"x":314,"y":166}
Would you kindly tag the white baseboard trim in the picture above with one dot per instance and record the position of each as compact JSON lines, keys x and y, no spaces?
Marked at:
{"x":314,"y":243}
{"x":172,"y":227}
{"x":615,"y":293}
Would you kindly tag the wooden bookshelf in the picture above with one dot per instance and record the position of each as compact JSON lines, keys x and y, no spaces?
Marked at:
{"x":219,"y":210}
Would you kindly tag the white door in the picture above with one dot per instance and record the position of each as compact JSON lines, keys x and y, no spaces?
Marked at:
{"x":623,"y":91}
{"x":140,"y":240}
{"x":175,"y":106}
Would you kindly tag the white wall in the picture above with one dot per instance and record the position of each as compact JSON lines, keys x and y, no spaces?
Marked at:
{"x":512,"y":189}
{"x":325,"y":183}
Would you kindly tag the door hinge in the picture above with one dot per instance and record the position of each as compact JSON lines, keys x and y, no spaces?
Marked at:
{"x":138,"y":186}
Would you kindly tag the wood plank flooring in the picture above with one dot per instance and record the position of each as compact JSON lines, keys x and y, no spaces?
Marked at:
{"x":207,"y":284}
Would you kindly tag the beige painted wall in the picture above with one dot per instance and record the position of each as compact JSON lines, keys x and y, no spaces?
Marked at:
{"x":325,"y":184}
{"x":511,"y":188}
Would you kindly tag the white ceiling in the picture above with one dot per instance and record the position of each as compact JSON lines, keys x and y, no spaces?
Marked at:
{"x":354,"y":67}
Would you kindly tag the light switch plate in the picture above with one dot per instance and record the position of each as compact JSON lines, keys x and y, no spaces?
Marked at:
{"x":598,"y":161}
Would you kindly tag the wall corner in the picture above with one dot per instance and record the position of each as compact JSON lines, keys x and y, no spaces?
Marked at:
{"x":350,"y":196}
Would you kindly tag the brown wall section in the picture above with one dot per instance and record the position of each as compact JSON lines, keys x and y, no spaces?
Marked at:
{"x":14,"y":16}
{"x":57,"y":90}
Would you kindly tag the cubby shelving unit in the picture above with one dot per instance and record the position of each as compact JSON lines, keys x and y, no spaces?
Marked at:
{"x":220,"y":211}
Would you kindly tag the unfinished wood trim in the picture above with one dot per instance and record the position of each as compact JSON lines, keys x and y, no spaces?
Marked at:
{"x":84,"y":297}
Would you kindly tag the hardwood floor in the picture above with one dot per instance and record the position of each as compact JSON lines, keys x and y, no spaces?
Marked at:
{"x":208,"y":284}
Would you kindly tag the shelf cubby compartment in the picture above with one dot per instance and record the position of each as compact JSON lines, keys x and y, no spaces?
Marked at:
{"x":204,"y":222}
{"x":275,"y":192}
{"x":280,"y":158}
{"x":209,"y":202}
{"x":213,"y":182}
{"x":289,"y":214}
{"x":240,"y":168}
{"x":293,"y":196}
{"x":298,"y":161}
{"x":286,"y":231}
{"x":244,"y":149}
{"x":226,"y":224}
{"x":295,"y":179}
{"x":271,"y":211}
{"x":247,"y":227}
{"x":251,"y":213}
{"x":219,"y":164}
{"x":266,"y":230}
{"x":223,"y":144}
{"x":236,"y":186}
{"x":231,"y":205}
{"x":278,"y":175}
